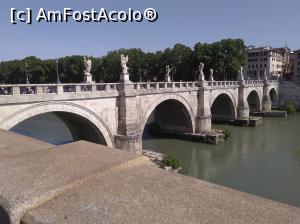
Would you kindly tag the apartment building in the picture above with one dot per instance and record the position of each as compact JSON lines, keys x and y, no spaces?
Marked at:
{"x":296,"y":61}
{"x":275,"y":61}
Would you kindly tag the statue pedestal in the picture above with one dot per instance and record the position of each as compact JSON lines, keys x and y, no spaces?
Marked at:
{"x":125,"y":84}
{"x":167,"y":78}
{"x":88,"y":78}
{"x":124,"y":77}
{"x":201,"y":78}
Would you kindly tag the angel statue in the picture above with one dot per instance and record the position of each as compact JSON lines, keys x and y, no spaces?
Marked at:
{"x":88,"y":65}
{"x":241,"y":74}
{"x":211,"y":74}
{"x":124,"y":60}
{"x":168,"y":71}
{"x":200,"y":71}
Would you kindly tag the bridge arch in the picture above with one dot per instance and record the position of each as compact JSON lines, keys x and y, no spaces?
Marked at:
{"x":223,"y":107}
{"x":62,"y":109}
{"x":273,"y":96}
{"x":170,"y":98}
{"x":254,"y":101}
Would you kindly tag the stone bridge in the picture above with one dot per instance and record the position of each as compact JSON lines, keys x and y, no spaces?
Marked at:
{"x":115,"y":114}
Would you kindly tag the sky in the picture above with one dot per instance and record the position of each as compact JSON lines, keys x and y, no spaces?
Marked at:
{"x":258,"y":22}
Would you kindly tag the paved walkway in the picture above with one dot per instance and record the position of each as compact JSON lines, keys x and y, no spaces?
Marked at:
{"x":87,"y":183}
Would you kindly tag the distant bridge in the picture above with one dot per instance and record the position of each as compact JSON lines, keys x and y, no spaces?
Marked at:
{"x":115,"y":114}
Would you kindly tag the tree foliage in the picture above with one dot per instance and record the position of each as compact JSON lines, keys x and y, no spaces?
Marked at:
{"x":225,"y":57}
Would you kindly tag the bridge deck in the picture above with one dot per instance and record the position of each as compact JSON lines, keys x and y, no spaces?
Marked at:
{"x":88,"y":183}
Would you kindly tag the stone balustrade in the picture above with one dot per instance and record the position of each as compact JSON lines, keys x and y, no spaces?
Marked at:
{"x":222,"y":84}
{"x":164,"y":85}
{"x":273,"y":81}
{"x":260,"y":82}
{"x":35,"y":89}
{"x":75,"y":88}
{"x":254,"y":82}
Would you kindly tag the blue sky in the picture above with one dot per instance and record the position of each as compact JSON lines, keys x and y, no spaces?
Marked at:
{"x":258,"y":22}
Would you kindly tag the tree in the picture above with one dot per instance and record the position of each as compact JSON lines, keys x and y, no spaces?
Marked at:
{"x":225,"y":57}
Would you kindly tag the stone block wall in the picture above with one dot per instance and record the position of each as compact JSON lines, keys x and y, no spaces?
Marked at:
{"x":289,"y":91}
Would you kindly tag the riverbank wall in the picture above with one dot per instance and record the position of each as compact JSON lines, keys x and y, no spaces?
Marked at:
{"x":289,"y":91}
{"x":83,"y":182}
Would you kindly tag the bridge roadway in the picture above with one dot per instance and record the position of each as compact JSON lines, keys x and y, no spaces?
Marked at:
{"x":83,"y":182}
{"x":115,"y":114}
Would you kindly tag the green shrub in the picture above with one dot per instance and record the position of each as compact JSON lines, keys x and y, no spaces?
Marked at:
{"x":227,"y":133}
{"x":290,"y":108}
{"x":170,"y":161}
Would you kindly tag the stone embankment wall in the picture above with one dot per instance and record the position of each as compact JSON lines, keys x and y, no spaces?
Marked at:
{"x":289,"y":91}
{"x":82,"y":182}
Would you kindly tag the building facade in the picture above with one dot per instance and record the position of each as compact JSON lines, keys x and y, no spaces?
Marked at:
{"x":296,"y":61}
{"x":274,"y":61}
{"x":287,"y":64}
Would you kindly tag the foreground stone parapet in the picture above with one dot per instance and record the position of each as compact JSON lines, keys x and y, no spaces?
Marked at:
{"x":88,"y":183}
{"x":31,"y":179}
{"x":145,"y":194}
{"x":13,"y":144}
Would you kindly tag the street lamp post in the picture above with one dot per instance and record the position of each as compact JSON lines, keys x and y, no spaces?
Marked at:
{"x":225,"y":65}
{"x":57,"y":73}
{"x":26,"y":72}
{"x":173,"y":72}
{"x":140,"y":74}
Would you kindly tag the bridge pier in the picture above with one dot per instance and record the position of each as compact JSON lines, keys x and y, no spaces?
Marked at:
{"x":266,"y":101}
{"x":131,"y":143}
{"x":243,"y":107}
{"x":203,"y":118}
{"x":129,"y":135}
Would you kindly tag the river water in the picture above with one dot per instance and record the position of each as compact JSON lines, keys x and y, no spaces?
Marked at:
{"x":264,"y":160}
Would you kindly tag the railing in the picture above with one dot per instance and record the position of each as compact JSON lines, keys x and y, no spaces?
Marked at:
{"x":273,"y":81}
{"x":254,"y":82}
{"x":164,"y":85}
{"x":70,"y":88}
{"x":35,"y":89}
{"x":260,"y":82}
{"x":222,"y":83}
